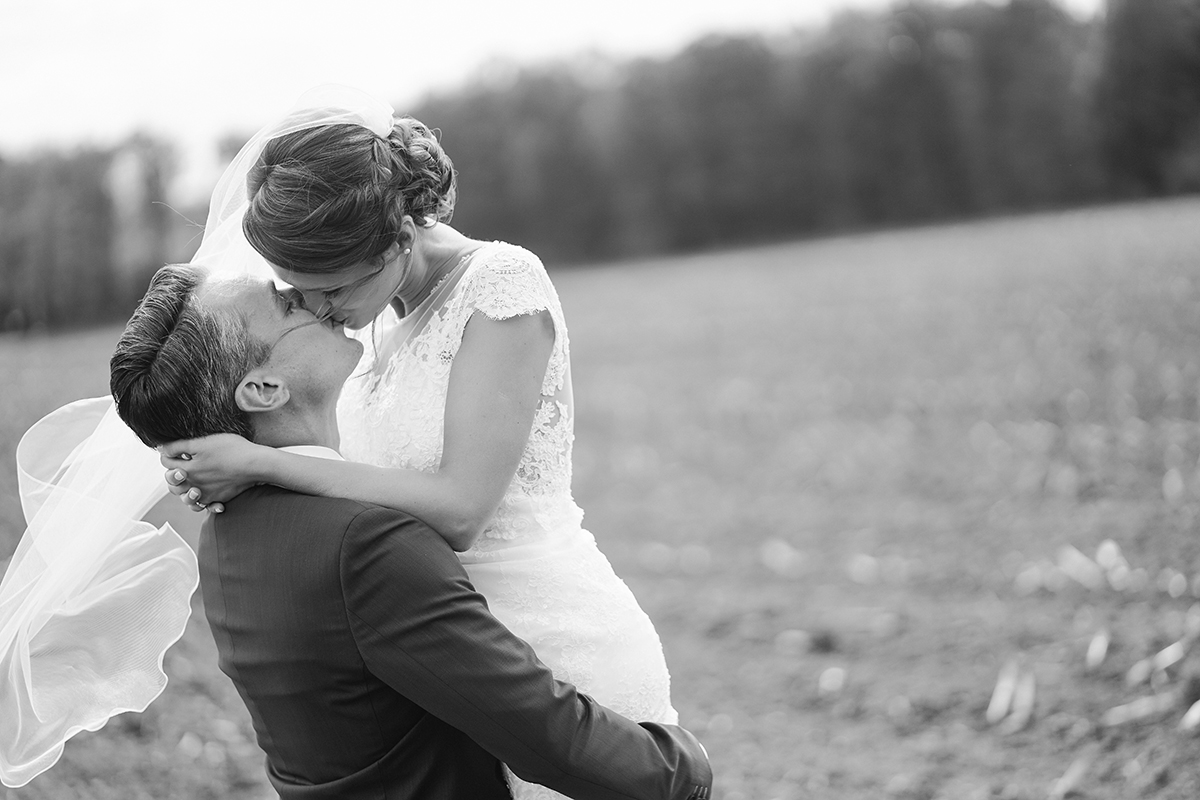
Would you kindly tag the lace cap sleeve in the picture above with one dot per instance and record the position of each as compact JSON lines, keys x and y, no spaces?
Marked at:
{"x":508,"y":282}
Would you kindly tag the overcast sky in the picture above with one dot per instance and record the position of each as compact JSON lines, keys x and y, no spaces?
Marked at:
{"x":95,"y":70}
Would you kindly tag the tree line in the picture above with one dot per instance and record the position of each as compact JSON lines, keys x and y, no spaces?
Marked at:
{"x":922,"y":113}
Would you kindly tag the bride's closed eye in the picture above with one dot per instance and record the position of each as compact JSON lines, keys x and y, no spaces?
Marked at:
{"x":293,"y":300}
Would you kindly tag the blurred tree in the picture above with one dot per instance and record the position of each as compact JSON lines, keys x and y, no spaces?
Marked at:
{"x":229,"y":145}
{"x":528,"y":162}
{"x":886,"y":119}
{"x":1149,"y":99}
{"x":715,"y":110}
{"x":55,"y":240}
{"x":138,"y":174}
{"x":1023,"y":76}
{"x":80,"y":233}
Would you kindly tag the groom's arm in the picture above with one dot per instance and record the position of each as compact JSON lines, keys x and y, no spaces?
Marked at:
{"x":422,"y":628}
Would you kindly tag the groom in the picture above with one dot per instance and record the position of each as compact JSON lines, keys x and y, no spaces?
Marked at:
{"x":370,"y":666}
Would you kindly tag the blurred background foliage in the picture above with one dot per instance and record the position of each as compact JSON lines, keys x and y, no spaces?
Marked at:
{"x":923,"y":113}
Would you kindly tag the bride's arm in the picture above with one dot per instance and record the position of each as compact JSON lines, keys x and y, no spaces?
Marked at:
{"x":495,"y":385}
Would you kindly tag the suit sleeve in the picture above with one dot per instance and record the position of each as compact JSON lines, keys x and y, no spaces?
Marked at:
{"x":422,"y":628}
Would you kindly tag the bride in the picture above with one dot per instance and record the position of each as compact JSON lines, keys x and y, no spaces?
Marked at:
{"x":461,"y":412}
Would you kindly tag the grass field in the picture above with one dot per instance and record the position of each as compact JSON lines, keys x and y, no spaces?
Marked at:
{"x":840,"y":475}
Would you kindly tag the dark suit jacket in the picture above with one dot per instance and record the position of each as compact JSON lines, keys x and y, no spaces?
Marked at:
{"x":373,"y":669}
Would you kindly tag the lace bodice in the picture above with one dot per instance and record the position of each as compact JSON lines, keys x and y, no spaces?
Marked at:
{"x":391,"y":413}
{"x":541,"y":572}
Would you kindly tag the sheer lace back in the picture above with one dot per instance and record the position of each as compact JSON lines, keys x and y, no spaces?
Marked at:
{"x":398,"y":395}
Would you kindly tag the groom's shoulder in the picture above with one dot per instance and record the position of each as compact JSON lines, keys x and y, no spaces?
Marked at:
{"x":260,"y":499}
{"x":273,"y":507}
{"x":363,"y":536}
{"x":264,"y":522}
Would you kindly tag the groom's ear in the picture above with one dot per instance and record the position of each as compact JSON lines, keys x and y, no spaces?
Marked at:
{"x":261,"y":391}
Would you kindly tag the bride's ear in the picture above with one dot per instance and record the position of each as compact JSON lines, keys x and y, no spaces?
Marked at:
{"x":407,"y":234}
{"x":392,"y":253}
{"x":260,"y":392}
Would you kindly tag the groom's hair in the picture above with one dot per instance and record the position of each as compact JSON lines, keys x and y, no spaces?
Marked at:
{"x":177,"y":366}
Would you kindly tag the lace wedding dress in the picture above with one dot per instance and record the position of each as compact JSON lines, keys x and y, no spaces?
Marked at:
{"x":539,"y":569}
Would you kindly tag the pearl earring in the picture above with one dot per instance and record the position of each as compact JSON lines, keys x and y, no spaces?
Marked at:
{"x":408,"y":251}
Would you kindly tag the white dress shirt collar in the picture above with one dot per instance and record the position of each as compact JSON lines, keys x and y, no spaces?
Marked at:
{"x":316,"y":451}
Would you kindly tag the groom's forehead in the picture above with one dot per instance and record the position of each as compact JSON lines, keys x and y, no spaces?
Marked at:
{"x":253,"y":298}
{"x":233,"y":290}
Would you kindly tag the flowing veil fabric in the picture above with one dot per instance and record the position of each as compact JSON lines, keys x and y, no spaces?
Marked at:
{"x":94,"y":596}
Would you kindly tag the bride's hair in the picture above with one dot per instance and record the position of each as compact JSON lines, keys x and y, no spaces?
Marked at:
{"x":326,"y":198}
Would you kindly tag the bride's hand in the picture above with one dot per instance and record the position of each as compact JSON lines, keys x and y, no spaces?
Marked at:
{"x":204,"y":473}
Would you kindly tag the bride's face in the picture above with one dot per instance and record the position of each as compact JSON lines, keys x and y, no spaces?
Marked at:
{"x":352,"y":297}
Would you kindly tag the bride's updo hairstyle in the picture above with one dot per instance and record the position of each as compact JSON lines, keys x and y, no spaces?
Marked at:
{"x":324,"y":199}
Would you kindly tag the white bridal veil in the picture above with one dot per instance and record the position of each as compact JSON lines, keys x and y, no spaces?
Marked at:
{"x":94,"y":596}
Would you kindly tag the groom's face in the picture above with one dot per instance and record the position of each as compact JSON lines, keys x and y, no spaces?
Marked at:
{"x":313,"y":357}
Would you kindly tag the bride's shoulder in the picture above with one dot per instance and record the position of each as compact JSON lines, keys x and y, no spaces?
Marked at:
{"x":502,"y":257}
{"x":506,"y":280}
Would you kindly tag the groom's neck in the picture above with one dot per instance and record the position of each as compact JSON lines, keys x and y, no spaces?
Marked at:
{"x":281,"y":429}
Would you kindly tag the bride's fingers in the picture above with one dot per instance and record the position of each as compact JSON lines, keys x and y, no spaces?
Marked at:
{"x":191,"y":503}
{"x":177,"y":482}
{"x":177,"y":450}
{"x":174,"y":463}
{"x":188,"y":495}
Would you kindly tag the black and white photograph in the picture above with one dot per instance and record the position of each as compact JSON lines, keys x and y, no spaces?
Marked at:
{"x":613,"y":401}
